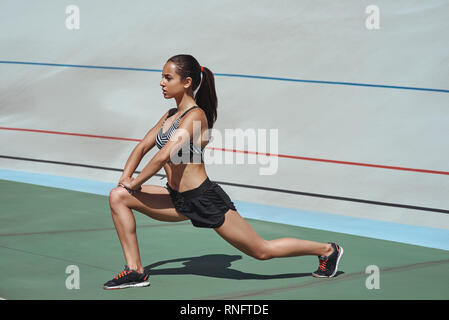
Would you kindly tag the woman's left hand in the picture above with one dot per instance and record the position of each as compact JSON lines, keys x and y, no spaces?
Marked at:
{"x":130,"y":186}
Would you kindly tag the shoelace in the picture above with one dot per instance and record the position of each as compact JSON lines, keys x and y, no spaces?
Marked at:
{"x":123,"y":273}
{"x":323,"y":264}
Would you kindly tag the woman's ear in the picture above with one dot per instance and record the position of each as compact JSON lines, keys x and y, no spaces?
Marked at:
{"x":188,"y":82}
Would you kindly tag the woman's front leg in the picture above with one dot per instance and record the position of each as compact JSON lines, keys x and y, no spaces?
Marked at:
{"x":125,"y":224}
{"x":153,"y":201}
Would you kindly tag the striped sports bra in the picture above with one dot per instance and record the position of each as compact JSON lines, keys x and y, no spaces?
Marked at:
{"x":163,"y":137}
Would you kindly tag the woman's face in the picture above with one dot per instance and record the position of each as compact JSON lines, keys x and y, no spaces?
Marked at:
{"x":171,"y":83}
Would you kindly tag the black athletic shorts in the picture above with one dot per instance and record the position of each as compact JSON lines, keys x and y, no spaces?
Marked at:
{"x":205,"y":205}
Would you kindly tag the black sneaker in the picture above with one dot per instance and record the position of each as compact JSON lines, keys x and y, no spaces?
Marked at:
{"x":328,"y":265}
{"x":127,"y":278}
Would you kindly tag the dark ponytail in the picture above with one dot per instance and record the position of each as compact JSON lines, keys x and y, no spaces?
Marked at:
{"x":206,"y":97}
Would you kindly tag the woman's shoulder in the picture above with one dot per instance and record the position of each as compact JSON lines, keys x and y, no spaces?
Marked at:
{"x":196,"y":112}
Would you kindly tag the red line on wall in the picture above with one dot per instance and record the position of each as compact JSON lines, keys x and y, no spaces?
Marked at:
{"x":71,"y":134}
{"x":243,"y":151}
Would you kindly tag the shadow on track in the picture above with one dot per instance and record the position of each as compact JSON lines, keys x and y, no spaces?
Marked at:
{"x":216,"y":266}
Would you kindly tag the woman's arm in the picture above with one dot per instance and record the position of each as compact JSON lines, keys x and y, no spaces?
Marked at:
{"x":133,"y":161}
{"x":153,"y":167}
{"x":148,"y":142}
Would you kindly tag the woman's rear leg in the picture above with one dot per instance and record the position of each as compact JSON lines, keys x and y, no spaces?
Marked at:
{"x":239,"y":233}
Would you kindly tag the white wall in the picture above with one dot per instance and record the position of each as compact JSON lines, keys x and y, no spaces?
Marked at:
{"x":309,"y":40}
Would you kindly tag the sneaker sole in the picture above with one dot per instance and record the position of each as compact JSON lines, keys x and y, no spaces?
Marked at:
{"x":129,"y":285}
{"x":340,"y":254}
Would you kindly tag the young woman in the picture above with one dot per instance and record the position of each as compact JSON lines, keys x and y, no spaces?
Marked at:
{"x":189,"y":194}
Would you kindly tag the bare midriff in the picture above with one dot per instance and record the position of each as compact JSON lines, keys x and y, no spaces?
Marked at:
{"x":185,"y":176}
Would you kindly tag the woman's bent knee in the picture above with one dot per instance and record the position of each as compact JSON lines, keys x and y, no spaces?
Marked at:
{"x":117,"y":195}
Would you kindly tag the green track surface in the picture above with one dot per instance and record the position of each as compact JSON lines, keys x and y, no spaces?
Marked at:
{"x":43,"y":230}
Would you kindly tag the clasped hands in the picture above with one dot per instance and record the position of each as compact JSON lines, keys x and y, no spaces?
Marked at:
{"x":128,"y":184}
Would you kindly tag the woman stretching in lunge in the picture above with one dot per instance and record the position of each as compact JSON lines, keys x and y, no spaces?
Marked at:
{"x":189,"y":194}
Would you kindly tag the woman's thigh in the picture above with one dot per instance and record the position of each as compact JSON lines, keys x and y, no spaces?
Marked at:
{"x":153,"y":201}
{"x":239,"y":233}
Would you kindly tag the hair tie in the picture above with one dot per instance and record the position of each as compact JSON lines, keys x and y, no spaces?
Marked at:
{"x":201,"y":68}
